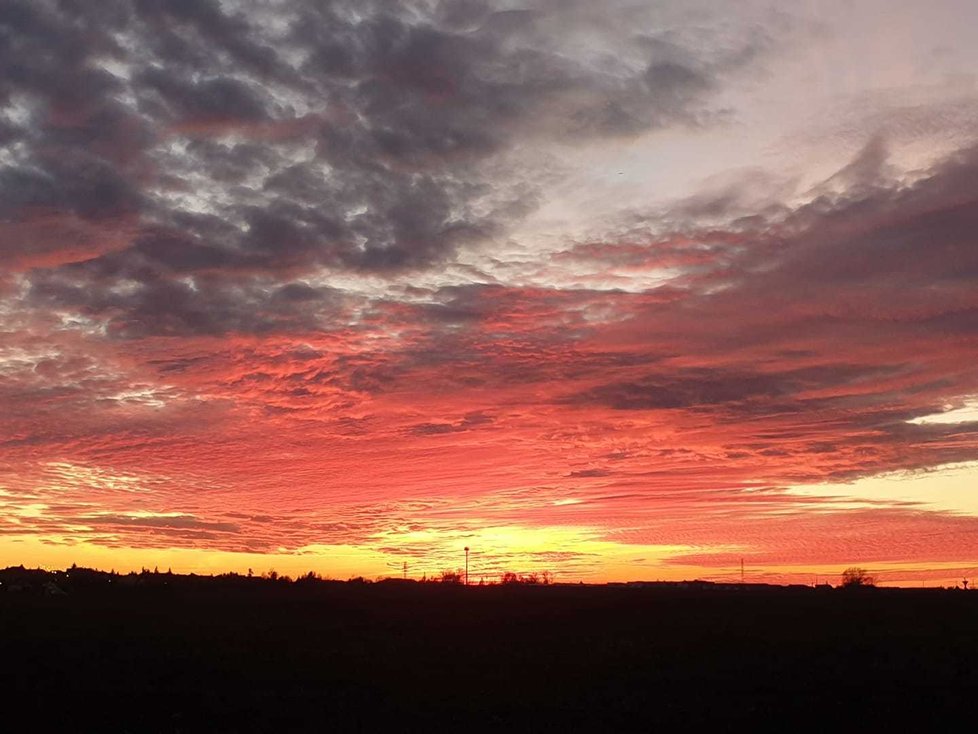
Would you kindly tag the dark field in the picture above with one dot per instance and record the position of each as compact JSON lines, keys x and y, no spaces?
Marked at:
{"x":223,"y":657}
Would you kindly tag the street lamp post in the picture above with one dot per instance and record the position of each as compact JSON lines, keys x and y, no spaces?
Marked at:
{"x":466,"y":565}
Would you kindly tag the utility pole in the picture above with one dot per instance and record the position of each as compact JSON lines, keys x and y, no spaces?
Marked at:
{"x":741,"y":570}
{"x":405,"y":570}
{"x":466,"y":565}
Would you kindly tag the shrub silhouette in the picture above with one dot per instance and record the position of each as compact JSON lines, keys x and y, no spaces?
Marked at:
{"x":531,"y":579}
{"x":452,"y":577}
{"x":855,"y":577}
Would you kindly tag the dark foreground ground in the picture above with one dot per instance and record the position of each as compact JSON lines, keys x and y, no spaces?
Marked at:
{"x":395,"y":657}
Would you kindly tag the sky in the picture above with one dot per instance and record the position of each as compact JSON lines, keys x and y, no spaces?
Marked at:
{"x":620,"y":290}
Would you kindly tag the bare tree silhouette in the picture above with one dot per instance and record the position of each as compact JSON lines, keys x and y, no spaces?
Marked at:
{"x":452,"y":577}
{"x":855,"y":577}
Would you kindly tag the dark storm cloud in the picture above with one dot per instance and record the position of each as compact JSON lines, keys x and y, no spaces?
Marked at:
{"x":868,"y":247}
{"x":214,"y":100}
{"x":892,"y":234}
{"x":710,"y":388}
{"x":590,"y":473}
{"x":467,"y":423}
{"x":825,"y":328}
{"x":207,"y":305}
{"x":703,"y":389}
{"x":359,"y":136}
{"x":70,"y":182}
{"x":160,"y":522}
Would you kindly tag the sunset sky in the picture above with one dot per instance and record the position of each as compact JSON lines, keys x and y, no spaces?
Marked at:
{"x":620,"y":290}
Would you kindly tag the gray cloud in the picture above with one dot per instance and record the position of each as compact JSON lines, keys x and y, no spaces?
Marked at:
{"x":709,"y":388}
{"x":363,"y":136}
{"x":468,"y":422}
{"x":161,"y":522}
{"x":879,"y":274}
{"x":589,"y":473}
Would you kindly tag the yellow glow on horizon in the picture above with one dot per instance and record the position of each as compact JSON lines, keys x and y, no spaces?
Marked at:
{"x":618,"y":562}
{"x":950,"y":488}
{"x":493,"y":550}
{"x":584,"y":554}
{"x":51,"y":552}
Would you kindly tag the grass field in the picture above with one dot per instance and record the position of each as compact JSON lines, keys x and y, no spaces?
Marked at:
{"x":223,"y":656}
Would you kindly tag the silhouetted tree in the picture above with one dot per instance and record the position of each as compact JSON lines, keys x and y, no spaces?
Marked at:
{"x":855,"y":577}
{"x":452,"y":577}
{"x":530,"y":579}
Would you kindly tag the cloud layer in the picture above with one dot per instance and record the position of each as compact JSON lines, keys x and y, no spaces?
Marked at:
{"x":274,"y":279}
